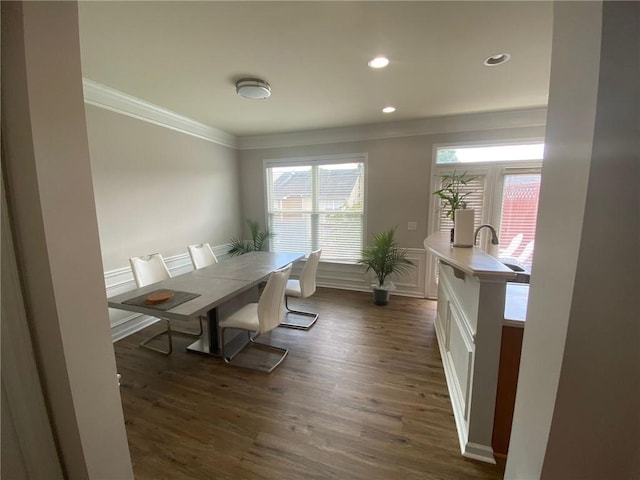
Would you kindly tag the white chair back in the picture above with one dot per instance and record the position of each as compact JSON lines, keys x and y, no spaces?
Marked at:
{"x":271,"y":303}
{"x":308,"y":274}
{"x":202,"y":255}
{"x":149,"y":269}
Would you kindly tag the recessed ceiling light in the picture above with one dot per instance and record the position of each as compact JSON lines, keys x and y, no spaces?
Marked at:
{"x":497,"y":59}
{"x":389,"y":109}
{"x":378,"y":62}
{"x":253,"y":88}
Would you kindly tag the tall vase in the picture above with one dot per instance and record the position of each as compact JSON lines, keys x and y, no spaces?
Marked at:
{"x":463,"y":227}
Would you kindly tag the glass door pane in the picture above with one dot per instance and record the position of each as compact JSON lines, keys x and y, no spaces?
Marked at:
{"x":519,"y":211}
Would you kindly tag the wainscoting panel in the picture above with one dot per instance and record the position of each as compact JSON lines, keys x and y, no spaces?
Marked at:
{"x":353,"y":277}
{"x":460,"y":355}
{"x":121,"y":280}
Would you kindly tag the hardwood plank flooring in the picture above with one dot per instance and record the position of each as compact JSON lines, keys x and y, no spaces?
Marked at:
{"x":362,"y":395}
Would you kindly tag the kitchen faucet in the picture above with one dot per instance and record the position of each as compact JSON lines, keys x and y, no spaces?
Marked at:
{"x":494,"y":235}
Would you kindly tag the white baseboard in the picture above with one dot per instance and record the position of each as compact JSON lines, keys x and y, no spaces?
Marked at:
{"x":479,"y":452}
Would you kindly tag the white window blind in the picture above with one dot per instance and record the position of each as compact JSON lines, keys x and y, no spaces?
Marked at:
{"x":319,"y":205}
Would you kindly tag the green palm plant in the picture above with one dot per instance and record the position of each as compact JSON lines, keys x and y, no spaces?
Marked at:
{"x":385,"y":257}
{"x":453,"y":194}
{"x":257,"y":243}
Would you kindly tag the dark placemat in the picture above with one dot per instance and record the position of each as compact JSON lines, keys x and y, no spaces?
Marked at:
{"x":177,"y":299}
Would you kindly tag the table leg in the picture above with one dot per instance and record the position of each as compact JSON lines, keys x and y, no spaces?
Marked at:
{"x":208,"y":342}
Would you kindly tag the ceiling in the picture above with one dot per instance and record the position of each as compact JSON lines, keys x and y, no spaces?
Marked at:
{"x":186,"y":56}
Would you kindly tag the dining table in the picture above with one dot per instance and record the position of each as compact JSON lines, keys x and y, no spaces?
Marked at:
{"x":215,"y":291}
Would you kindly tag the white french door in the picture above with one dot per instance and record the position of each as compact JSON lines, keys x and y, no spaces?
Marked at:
{"x":503,"y":194}
{"x":517,"y":214}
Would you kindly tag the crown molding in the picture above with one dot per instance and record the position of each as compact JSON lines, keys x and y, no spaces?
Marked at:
{"x":114,"y":100}
{"x":533,"y":117}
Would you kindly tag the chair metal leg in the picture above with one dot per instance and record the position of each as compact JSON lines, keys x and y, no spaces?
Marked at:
{"x":156,"y":349}
{"x":169,"y":332}
{"x":191,"y":334}
{"x":253,"y":343}
{"x":297,"y":326}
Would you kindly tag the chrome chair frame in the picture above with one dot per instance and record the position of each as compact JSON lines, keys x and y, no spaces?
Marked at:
{"x":169,"y":333}
{"x":307,"y":282}
{"x":296,"y":326}
{"x":264,"y":346}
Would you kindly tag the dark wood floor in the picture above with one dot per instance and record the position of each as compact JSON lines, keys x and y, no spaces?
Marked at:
{"x":362,"y":395}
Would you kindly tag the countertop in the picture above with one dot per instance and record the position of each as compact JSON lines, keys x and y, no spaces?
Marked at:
{"x":472,"y":261}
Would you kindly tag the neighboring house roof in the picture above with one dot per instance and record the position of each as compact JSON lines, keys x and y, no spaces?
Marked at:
{"x":334,"y":183}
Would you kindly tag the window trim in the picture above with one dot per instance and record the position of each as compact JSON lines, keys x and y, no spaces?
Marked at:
{"x":480,"y":144}
{"x":318,"y":160}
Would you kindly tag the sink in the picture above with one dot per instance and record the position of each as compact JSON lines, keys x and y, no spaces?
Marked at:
{"x":522,"y":274}
{"x":514,"y":267}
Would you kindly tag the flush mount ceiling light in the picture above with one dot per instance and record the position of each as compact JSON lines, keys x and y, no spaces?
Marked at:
{"x":253,"y":88}
{"x":497,"y":59}
{"x":389,"y":109}
{"x":378,"y":62}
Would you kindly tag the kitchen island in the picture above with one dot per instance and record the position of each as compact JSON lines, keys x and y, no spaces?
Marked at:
{"x":472,"y":288}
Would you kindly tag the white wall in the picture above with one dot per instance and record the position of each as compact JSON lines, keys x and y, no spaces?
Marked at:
{"x":576,"y":412}
{"x":58,"y":252}
{"x":398,"y":173}
{"x":157,"y":189}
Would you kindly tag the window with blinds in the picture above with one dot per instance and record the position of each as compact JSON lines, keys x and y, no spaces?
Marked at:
{"x":317,"y":205}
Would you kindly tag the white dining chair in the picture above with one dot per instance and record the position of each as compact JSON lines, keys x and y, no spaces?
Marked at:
{"x":303,"y":287}
{"x":202,"y":255}
{"x":147,"y":270}
{"x":261,"y":317}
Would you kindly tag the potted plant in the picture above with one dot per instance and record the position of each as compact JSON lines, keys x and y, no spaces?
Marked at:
{"x":258,"y":240}
{"x":453,"y":194}
{"x":384,"y":257}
